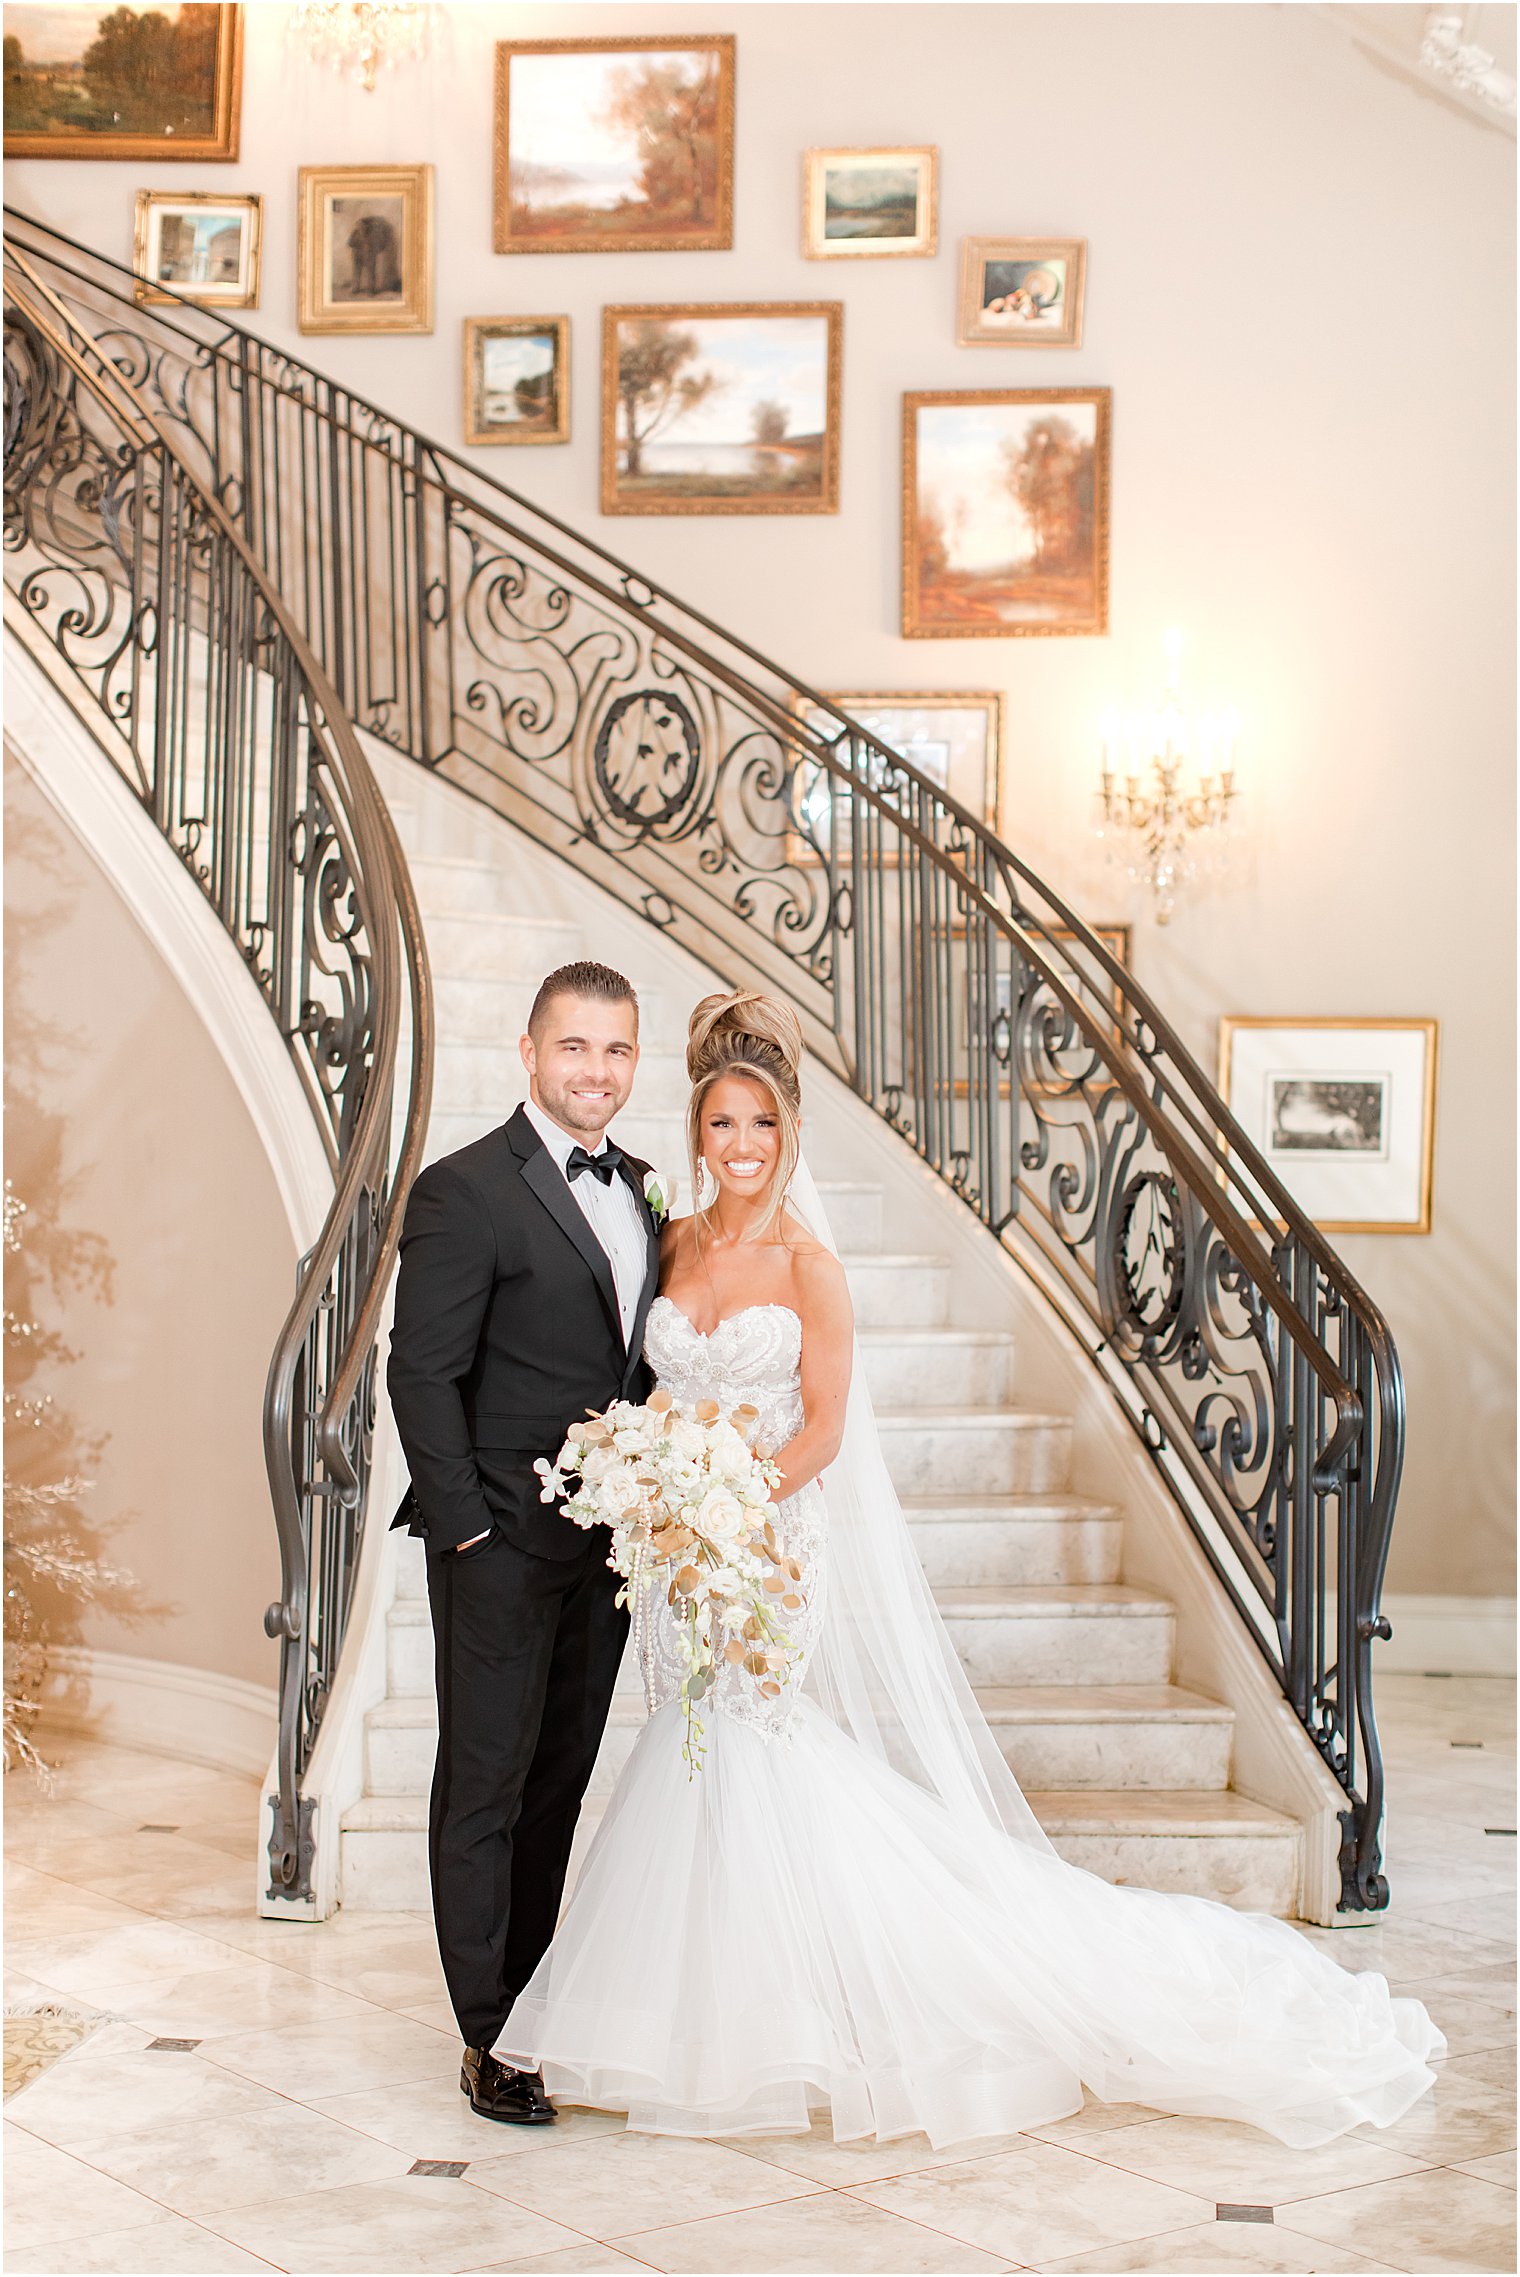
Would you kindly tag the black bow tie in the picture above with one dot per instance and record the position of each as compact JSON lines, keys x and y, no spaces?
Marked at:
{"x":605,"y":1165}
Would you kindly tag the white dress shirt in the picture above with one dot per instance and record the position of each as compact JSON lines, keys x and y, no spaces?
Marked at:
{"x":609,"y":1209}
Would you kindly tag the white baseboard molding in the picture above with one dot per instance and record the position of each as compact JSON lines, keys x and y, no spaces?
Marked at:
{"x":1451,"y":1636}
{"x":194,"y":1714}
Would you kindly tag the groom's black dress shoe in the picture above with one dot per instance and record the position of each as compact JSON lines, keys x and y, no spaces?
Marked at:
{"x":498,"y":2092}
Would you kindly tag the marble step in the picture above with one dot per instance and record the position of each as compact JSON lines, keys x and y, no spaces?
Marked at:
{"x":409,"y":1649}
{"x":505,"y":948}
{"x":1024,"y":1540}
{"x":892,"y":1289}
{"x":1072,"y":1634}
{"x":935,"y":1367}
{"x":976,"y":1450}
{"x":1219,"y":1845}
{"x":448,"y":885}
{"x":1066,"y":1736}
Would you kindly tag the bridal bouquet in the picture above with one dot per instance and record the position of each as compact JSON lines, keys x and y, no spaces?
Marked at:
{"x":689,"y":1504}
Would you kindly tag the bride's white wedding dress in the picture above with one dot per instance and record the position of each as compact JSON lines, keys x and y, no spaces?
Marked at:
{"x":799,"y":1924}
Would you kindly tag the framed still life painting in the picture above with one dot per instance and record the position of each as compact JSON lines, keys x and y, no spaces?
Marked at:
{"x":516,"y":379}
{"x":866,"y":203}
{"x":726,"y":407}
{"x":1343,"y":1111}
{"x":954,"y":738}
{"x":615,"y":145}
{"x":123,"y":82}
{"x":364,"y":256}
{"x":984,"y":1005}
{"x":203,"y":247}
{"x":1021,"y":292}
{"x":1005,"y":513}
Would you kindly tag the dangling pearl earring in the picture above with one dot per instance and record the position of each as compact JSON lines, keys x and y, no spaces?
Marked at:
{"x":707,"y":1185}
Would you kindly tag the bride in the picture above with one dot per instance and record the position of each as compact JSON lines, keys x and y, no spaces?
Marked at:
{"x":850,"y":1905}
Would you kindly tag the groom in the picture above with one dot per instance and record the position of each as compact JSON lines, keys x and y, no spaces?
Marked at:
{"x":528,"y":1264}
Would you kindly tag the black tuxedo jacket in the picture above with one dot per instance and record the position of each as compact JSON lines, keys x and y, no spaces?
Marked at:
{"x":506,"y":1332}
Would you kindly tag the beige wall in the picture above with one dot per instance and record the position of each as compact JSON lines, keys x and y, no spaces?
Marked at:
{"x":123,"y":1122}
{"x":1300,"y":291}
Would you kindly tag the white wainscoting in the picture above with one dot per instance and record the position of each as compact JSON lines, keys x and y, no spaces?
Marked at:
{"x":194,"y":1714}
{"x":1454,"y":1636}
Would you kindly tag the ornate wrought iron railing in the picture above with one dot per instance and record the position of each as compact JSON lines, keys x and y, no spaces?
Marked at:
{"x":743,"y":814}
{"x":228,"y":732}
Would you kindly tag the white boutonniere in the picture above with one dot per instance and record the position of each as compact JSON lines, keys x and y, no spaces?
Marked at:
{"x":657,"y":1195}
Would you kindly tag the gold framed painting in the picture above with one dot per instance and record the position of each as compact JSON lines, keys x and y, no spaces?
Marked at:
{"x":197,"y":246}
{"x":1005,"y":512}
{"x":954,"y":736}
{"x":1343,"y":1111}
{"x":108,"y":82}
{"x":364,"y":255}
{"x":615,"y":145}
{"x":1021,"y":292}
{"x":516,"y":379}
{"x":721,"y":407}
{"x":970,"y":1011}
{"x":867,"y":204}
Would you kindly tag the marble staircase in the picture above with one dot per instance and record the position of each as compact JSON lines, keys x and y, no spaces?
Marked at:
{"x":1128,"y":1770}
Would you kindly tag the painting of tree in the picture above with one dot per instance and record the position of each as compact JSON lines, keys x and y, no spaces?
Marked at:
{"x":1005,"y":504}
{"x":614,"y":145}
{"x":122,"y":82}
{"x":654,"y":386}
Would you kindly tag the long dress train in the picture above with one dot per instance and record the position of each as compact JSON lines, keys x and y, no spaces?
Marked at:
{"x":800,"y":1925}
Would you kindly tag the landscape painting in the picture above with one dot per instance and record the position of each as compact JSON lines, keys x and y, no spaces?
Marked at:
{"x":516,"y":387}
{"x":1005,"y":513}
{"x":122,"y":82}
{"x":608,"y":146}
{"x":721,"y":408}
{"x":1022,"y":292}
{"x":868,"y":202}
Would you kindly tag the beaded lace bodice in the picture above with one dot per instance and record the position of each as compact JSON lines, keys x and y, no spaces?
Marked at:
{"x":755,"y":1358}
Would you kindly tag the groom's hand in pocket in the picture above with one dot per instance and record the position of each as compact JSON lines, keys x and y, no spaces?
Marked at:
{"x":473,"y":1547}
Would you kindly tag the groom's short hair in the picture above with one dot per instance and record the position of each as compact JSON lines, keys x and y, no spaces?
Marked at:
{"x":584,"y":978}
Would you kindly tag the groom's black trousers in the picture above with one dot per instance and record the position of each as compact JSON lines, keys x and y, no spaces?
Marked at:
{"x":527,"y":1652}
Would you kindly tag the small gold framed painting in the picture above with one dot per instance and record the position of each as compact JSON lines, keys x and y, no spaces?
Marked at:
{"x":196,"y":245}
{"x":517,"y":379}
{"x":1022,"y":292}
{"x":615,"y":145}
{"x":721,"y":407}
{"x":364,"y":258}
{"x":1343,"y":1111}
{"x":1005,"y":512}
{"x":860,"y":204}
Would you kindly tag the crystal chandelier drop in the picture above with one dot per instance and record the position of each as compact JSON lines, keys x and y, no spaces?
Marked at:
{"x":1163,"y":827}
{"x":362,"y":37}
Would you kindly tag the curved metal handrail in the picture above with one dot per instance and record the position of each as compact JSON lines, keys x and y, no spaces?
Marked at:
{"x":957,"y":993}
{"x":150,"y":593}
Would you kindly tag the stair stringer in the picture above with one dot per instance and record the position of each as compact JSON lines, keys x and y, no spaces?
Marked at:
{"x":1274,"y":1761}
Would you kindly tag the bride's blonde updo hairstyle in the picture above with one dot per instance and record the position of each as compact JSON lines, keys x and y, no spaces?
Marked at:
{"x":740,"y":1032}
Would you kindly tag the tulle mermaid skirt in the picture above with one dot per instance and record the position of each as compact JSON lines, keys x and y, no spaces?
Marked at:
{"x":798,"y":1926}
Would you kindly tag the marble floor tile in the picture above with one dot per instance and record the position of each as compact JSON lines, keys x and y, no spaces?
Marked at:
{"x":164,"y":2248}
{"x":1479,"y":1980}
{"x":569,"y":2261}
{"x":1485,"y":1915}
{"x":817,"y":2156}
{"x":1440,"y":2220}
{"x":1095,"y":2118}
{"x":1216,"y":2247}
{"x":139,"y":1952}
{"x":200,"y":2167}
{"x":625,"y":2182}
{"x":414,"y":2225}
{"x":340,"y":2054}
{"x":1486,"y":2067}
{"x":832,"y":2235}
{"x":438,"y":2013}
{"x":1471,"y":2025}
{"x":390,"y":1960}
{"x":243,"y":1997}
{"x":123,"y":2093}
{"x":44,"y":1905}
{"x":51,"y":2194}
{"x":1240,"y":2166}
{"x":430,"y":2118}
{"x":1399,"y":1949}
{"x":1499,"y":2168}
{"x":1038,"y":2202}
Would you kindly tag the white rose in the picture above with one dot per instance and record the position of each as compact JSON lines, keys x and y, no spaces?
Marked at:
{"x":719,"y":1514}
{"x":617,"y":1495}
{"x":687,"y":1438}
